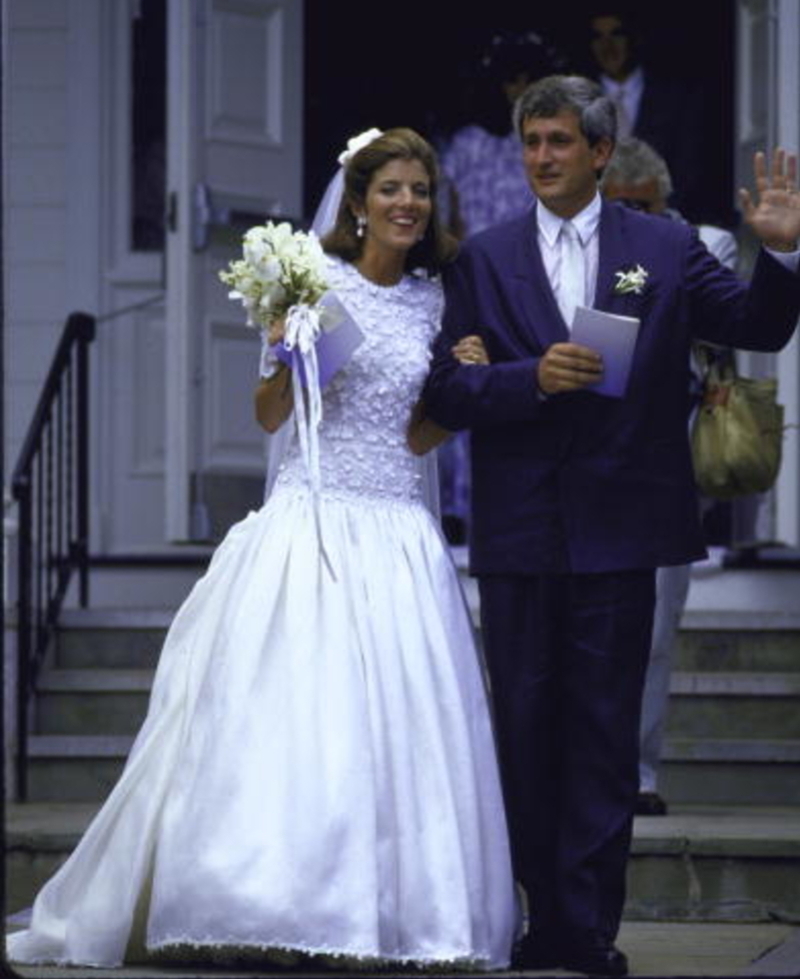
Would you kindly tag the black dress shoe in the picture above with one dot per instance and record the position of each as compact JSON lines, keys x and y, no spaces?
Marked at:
{"x":595,"y":960}
{"x":532,"y":952}
{"x":650,"y":804}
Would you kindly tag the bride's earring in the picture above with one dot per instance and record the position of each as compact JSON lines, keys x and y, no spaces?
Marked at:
{"x":361,"y":223}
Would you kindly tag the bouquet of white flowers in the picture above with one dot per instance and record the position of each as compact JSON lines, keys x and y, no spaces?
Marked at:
{"x":281,"y":274}
{"x":280,"y":269}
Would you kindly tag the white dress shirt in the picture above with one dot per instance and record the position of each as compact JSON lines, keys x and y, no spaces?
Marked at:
{"x":548,"y":230}
{"x":627,"y":96}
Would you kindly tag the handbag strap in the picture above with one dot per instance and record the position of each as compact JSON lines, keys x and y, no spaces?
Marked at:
{"x":719,"y":374}
{"x":717,"y":364}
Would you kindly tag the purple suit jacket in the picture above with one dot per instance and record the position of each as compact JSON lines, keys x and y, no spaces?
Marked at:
{"x":579,"y":481}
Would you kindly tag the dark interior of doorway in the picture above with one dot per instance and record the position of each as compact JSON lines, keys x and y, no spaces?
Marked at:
{"x":417,"y":63}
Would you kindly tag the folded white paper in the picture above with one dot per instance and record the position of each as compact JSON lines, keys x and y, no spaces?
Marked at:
{"x":614,"y":338}
{"x":338,"y":340}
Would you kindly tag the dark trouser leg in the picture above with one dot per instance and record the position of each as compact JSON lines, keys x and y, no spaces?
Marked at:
{"x":606,"y":645}
{"x":519,"y":644}
{"x":566,"y":657}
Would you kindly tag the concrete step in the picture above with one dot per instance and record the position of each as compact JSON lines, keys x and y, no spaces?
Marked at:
{"x":152,"y":579}
{"x":111,"y":638}
{"x":768,"y":592}
{"x":716,"y":950}
{"x":697,"y":863}
{"x":38,"y":839}
{"x":75,"y":768}
{"x":729,"y":641}
{"x":733,"y":620}
{"x":92,"y":701}
{"x":728,"y":704}
{"x":702,"y":705}
{"x":721,"y":863}
{"x":708,"y":641}
{"x":731,"y":771}
{"x":655,"y":949}
{"x":106,"y":658}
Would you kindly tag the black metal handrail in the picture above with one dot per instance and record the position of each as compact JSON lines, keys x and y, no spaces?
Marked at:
{"x":51,"y":486}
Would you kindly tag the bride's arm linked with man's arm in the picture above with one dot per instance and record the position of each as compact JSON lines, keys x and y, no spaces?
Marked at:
{"x":423,"y":433}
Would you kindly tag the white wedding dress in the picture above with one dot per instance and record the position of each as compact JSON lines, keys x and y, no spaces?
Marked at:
{"x":316,"y":771}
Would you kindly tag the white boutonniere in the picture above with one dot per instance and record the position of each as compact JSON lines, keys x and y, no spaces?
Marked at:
{"x":634,"y":280}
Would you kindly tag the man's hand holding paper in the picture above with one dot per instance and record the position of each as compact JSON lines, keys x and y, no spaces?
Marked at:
{"x":568,"y":367}
{"x":613,"y":337}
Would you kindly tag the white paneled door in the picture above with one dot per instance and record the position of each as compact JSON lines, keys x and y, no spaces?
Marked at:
{"x":234,"y":157}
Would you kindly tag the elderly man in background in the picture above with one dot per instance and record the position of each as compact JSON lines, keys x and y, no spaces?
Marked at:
{"x":639,"y":177}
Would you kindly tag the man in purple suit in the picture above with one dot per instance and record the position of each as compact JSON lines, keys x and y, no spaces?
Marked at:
{"x":579,"y":496}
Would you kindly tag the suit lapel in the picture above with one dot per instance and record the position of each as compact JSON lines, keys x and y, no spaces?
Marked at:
{"x":611,"y":257}
{"x":539,"y":312}
{"x":617,"y":253}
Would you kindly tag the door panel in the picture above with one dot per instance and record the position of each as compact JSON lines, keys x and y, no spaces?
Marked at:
{"x":235,"y":150}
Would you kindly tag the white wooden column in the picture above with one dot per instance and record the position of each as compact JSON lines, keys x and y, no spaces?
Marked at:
{"x":768,"y":115}
{"x":786,"y":72}
{"x":181,"y":305}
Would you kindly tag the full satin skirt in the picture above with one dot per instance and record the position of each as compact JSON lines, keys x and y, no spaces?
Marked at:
{"x":316,"y":771}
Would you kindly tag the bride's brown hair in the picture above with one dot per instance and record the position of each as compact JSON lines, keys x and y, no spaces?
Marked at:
{"x":436,"y":247}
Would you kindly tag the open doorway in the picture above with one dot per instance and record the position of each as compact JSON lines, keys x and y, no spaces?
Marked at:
{"x":422,"y":68}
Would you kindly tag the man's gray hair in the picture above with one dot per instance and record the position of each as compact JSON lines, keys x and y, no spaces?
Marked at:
{"x":636,"y":162}
{"x":597,"y":115}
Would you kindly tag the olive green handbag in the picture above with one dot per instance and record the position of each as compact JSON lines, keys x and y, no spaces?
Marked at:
{"x":736,"y":434}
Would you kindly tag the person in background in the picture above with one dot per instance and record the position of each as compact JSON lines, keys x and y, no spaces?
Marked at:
{"x":665,"y":110}
{"x":486,"y":184}
{"x":579,"y":496}
{"x":481,"y":161}
{"x":638,"y":176}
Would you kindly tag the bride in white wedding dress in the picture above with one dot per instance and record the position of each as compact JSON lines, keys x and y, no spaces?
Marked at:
{"x":316,"y":772}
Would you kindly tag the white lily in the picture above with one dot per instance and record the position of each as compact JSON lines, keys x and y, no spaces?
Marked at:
{"x":280,"y":268}
{"x":633,"y":280}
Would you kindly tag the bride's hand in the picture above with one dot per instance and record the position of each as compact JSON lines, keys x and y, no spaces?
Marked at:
{"x":470,"y":350}
{"x":276,"y":330}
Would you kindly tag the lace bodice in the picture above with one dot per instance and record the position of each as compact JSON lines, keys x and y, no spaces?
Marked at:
{"x":367,"y":405}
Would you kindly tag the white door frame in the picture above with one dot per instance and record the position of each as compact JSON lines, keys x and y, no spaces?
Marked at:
{"x":235,"y":136}
{"x":786,"y":24}
{"x":181,"y":310}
